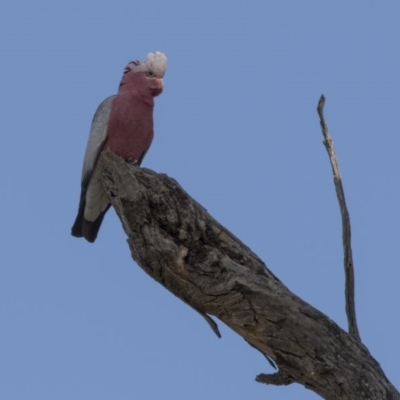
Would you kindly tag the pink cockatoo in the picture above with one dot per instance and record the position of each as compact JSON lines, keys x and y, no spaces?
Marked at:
{"x":122,"y":123}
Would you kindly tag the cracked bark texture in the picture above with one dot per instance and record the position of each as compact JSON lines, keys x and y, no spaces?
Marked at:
{"x":176,"y":241}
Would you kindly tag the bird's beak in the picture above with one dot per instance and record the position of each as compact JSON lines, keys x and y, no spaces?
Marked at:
{"x":158,"y":87}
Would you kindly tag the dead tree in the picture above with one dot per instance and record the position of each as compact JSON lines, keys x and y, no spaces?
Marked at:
{"x":176,"y":241}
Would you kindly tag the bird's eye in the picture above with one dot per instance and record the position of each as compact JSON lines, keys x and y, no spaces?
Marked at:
{"x":150,"y":73}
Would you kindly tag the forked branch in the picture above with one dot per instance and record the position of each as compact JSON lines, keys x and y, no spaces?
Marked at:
{"x":176,"y":241}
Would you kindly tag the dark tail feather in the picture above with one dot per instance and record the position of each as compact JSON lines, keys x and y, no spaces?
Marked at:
{"x":84,"y":228}
{"x":90,"y":229}
{"x":77,"y":227}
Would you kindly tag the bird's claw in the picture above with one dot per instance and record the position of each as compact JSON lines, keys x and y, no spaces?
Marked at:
{"x":132,"y":161}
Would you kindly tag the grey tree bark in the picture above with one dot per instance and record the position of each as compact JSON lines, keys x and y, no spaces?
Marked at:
{"x":176,"y":241}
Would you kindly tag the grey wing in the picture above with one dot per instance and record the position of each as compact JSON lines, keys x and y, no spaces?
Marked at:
{"x":97,"y":137}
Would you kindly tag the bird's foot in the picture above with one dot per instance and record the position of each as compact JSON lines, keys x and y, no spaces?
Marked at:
{"x":132,"y":161}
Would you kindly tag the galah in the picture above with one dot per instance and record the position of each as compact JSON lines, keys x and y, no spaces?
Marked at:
{"x":122,"y":123}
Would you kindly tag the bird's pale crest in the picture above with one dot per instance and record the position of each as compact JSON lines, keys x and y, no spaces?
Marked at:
{"x":155,"y":62}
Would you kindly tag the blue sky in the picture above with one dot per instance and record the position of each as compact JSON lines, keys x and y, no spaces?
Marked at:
{"x":237,"y":127}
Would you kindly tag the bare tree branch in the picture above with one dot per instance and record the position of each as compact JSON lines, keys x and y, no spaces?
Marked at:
{"x":176,"y":241}
{"x":278,"y":379}
{"x":346,"y":228}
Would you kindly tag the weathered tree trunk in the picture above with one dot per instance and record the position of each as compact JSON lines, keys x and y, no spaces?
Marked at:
{"x":181,"y":246}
